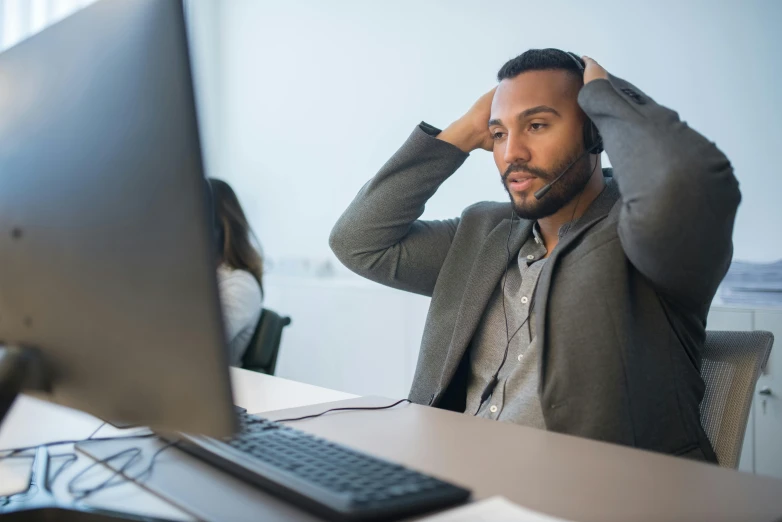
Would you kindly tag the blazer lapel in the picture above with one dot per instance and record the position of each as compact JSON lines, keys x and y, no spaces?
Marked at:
{"x":486,"y":272}
{"x":598,"y":210}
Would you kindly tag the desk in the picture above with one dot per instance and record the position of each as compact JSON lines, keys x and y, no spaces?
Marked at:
{"x":565,"y":476}
{"x":561,"y":475}
{"x":31,"y":421}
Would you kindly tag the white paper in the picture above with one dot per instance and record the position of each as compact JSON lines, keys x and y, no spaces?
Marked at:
{"x":754,"y":284}
{"x":494,"y":509}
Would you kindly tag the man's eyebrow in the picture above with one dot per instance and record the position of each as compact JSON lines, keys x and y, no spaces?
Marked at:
{"x":529,"y":112}
{"x":536,"y":110}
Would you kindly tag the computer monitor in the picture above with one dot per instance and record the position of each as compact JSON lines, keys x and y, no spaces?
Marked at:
{"x":107,"y":260}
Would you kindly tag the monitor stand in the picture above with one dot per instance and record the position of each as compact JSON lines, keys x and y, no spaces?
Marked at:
{"x":21,"y":368}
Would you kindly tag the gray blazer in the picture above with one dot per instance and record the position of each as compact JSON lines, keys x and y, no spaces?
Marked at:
{"x":622,"y":301}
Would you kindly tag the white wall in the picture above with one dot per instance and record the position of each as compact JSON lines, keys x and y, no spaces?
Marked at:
{"x":309,"y":98}
{"x":314,"y":96}
{"x":205,"y":43}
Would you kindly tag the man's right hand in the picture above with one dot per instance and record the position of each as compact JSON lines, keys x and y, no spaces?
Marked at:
{"x":471,"y":131}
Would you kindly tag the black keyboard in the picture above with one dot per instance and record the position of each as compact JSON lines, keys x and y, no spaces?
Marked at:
{"x":328,"y":479}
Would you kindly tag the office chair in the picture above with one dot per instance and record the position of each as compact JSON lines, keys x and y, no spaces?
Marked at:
{"x":731,"y":365}
{"x":261,"y":353}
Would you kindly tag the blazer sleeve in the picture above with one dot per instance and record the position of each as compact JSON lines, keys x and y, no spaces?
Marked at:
{"x":380,"y":237}
{"x":679,"y":194}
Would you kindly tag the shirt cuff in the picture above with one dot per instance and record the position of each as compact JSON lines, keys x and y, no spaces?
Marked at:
{"x":431,"y":130}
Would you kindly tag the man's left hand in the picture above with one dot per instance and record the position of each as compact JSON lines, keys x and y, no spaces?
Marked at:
{"x":593,"y":70}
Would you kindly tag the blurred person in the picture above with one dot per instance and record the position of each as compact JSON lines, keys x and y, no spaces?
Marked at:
{"x":239,"y":271}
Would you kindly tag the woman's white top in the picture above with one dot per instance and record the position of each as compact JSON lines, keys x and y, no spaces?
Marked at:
{"x":242,"y":302}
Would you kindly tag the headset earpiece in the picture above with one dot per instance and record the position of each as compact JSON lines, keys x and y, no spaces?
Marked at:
{"x":592,"y":138}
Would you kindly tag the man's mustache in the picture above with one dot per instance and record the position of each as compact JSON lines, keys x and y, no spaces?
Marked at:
{"x":524,"y":168}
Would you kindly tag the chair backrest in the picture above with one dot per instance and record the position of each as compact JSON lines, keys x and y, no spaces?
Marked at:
{"x":731,"y":365}
{"x":261,"y":353}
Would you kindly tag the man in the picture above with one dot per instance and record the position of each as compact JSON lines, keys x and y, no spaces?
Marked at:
{"x":579,"y":308}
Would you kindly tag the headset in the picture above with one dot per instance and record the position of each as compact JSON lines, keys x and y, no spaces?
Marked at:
{"x":591,"y":136}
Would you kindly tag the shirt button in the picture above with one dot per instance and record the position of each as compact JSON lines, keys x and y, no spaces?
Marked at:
{"x":530,"y":257}
{"x":493,"y":409}
{"x":524,"y":299}
{"x":520,"y":356}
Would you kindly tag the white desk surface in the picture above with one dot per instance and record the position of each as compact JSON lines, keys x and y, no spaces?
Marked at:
{"x":32,"y":421}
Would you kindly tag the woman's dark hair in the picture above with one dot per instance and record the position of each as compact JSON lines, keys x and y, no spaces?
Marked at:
{"x":234,"y":247}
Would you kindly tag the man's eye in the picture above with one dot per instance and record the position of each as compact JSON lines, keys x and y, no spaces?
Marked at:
{"x":497,"y":135}
{"x":537,"y":126}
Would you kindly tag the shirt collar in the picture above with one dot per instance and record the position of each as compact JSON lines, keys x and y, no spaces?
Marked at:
{"x":539,"y":237}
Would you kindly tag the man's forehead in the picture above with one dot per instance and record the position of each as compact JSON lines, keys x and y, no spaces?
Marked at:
{"x":555,"y":88}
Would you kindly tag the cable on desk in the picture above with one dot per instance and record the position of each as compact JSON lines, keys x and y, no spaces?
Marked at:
{"x":97,"y":430}
{"x":13,"y":451}
{"x":72,"y":458}
{"x":135,"y":455}
{"x":345,"y":409}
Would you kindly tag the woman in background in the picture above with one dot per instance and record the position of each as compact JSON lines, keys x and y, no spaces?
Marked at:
{"x":239,"y":272}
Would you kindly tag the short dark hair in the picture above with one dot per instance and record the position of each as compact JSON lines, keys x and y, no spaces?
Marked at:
{"x":538,"y":60}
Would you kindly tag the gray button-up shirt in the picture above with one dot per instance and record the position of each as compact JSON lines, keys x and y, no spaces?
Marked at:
{"x":515,"y":398}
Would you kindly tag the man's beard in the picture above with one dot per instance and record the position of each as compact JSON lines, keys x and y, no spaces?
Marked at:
{"x":560,"y":194}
